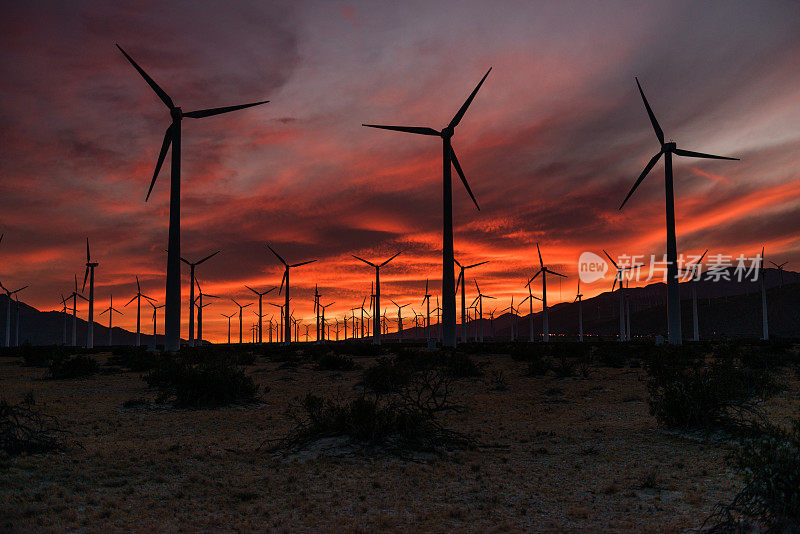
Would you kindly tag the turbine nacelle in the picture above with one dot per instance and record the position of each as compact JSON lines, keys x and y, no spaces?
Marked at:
{"x":447,"y":132}
{"x":176,"y":113}
{"x":669,"y":147}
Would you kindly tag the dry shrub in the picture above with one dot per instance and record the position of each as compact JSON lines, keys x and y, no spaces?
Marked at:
{"x":26,"y":430}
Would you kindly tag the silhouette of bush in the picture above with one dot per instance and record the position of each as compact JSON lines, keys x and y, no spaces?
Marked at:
{"x":210,"y":383}
{"x":137,"y":359}
{"x":332,"y":361}
{"x":39,"y":356}
{"x":407,"y":419}
{"x":210,"y":353}
{"x":770,"y":499}
{"x":26,"y":430}
{"x":689,"y":391}
{"x":390,"y":374}
{"x":539,"y":366}
{"x":75,"y":366}
{"x":564,"y":367}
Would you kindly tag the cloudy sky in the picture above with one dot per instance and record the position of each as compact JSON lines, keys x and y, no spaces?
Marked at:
{"x":551,"y":144}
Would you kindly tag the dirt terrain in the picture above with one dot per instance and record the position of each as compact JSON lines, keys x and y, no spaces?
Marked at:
{"x":553,"y":455}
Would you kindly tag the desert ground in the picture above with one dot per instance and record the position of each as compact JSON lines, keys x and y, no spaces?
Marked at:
{"x":580,"y":453}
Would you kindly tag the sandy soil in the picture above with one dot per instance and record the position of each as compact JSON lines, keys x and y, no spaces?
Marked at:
{"x":555,"y":455}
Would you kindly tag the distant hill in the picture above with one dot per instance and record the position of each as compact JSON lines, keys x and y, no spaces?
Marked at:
{"x":726,"y":309}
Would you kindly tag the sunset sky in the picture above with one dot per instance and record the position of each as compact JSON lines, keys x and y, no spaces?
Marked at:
{"x":552,"y":143}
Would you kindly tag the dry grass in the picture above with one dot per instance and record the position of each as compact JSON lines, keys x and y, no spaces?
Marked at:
{"x":577,"y":458}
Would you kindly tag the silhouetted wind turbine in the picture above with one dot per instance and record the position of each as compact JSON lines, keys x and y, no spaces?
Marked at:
{"x":667,"y":150}
{"x":780,"y":270}
{"x":172,"y":323}
{"x":427,"y":300}
{"x":260,"y":308}
{"x":155,"y":309}
{"x":138,"y":298}
{"x":695,"y":320}
{"x":376,"y":329}
{"x":399,"y":320}
{"x":619,"y":278}
{"x":449,"y":158}
{"x":317,"y":295}
{"x":90,"y":265}
{"x":323,"y":319}
{"x":764,"y":321}
{"x":200,"y":307}
{"x":229,"y":317}
{"x":240,"y":317}
{"x":191,"y":292}
{"x":111,"y":310}
{"x":578,"y":299}
{"x":10,"y":295}
{"x":513,"y":316}
{"x":479,"y":300}
{"x":461,"y":280}
{"x":286,"y":323}
{"x":530,"y":298}
{"x":64,"y":311}
{"x":543,"y":271}
{"x":75,"y":296}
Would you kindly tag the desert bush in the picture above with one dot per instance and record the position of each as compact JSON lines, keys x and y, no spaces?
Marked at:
{"x":75,"y":366}
{"x":331,"y":361}
{"x":539,"y":366}
{"x":565,"y":367}
{"x":197,"y":385}
{"x":390,"y":374}
{"x":26,"y":430}
{"x":137,"y":359}
{"x":407,"y":419}
{"x":687,"y":391}
{"x":211,"y":354}
{"x":770,"y":498}
{"x":38,"y":356}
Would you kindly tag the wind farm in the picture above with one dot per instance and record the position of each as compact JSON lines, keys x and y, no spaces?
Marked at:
{"x":623,"y":358}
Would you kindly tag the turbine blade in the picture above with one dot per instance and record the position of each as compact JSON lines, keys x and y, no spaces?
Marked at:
{"x":648,"y":167}
{"x":541,"y":263}
{"x":161,"y":155}
{"x":610,"y":259}
{"x":302,"y":263}
{"x":703,"y":256}
{"x":199,"y":114}
{"x":390,"y":259}
{"x":408,"y":129}
{"x":454,"y":159}
{"x":690,"y":154}
{"x":85,"y":276}
{"x":208,"y":257}
{"x":653,"y":121}
{"x":251,"y":289}
{"x":476,"y":264}
{"x":153,"y":85}
{"x":88,"y":257}
{"x":534,"y":277}
{"x":138,"y":287}
{"x":132,"y":299}
{"x":282,"y":280}
{"x":555,"y":273}
{"x":458,"y":116}
{"x":276,"y":254}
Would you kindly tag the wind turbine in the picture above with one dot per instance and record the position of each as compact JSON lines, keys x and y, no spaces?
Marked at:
{"x":691,"y":270}
{"x":200,"y":307}
{"x":427,"y":300}
{"x":11,"y":294}
{"x":192,"y":265}
{"x":513,"y":316}
{"x":138,"y":298}
{"x":780,"y":270}
{"x":90,"y":265}
{"x":667,"y":150}
{"x":543,"y":271}
{"x":764,"y":321}
{"x":619,"y":278}
{"x":376,"y":329}
{"x":578,"y":299}
{"x":260,"y":308}
{"x":286,"y":323}
{"x":173,"y":137}
{"x":280,"y":331}
{"x":155,"y":309}
{"x":449,"y":159}
{"x":64,"y":311}
{"x":229,"y":324}
{"x":399,"y":320}
{"x":461,"y":280}
{"x":75,"y":296}
{"x":317,"y":295}
{"x":323,"y":319}
{"x":240,"y":317}
{"x":364,"y":333}
{"x":479,"y":300}
{"x":530,"y":298}
{"x":111,"y":310}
